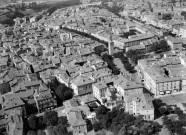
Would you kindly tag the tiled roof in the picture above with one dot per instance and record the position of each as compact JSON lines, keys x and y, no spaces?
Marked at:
{"x":82,"y":80}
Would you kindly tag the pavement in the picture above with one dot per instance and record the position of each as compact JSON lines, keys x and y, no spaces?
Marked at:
{"x":178,"y":98}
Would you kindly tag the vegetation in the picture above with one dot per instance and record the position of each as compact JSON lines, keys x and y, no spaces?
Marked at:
{"x":114,"y":8}
{"x":50,"y":118}
{"x":31,"y":132}
{"x":122,"y":123}
{"x":173,"y":125}
{"x":167,"y":16}
{"x":61,"y":91}
{"x":5,"y":88}
{"x":135,"y":55}
{"x":183,"y":13}
{"x":124,"y":60}
{"x":49,"y":8}
{"x":100,"y":49}
{"x":41,"y":132}
{"x":36,"y":125}
{"x":33,"y":122}
{"x":164,"y":109}
{"x":2,"y":131}
{"x":109,"y":60}
{"x":55,"y":125}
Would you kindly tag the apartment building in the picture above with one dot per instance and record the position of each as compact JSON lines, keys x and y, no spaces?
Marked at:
{"x":82,"y":85}
{"x":166,"y":76}
{"x":99,"y":90}
{"x":140,"y":104}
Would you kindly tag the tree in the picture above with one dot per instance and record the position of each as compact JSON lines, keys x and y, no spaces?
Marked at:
{"x":107,"y":58}
{"x":63,"y":121}
{"x":99,"y":50}
{"x":41,"y":132}
{"x":101,"y":111}
{"x":167,"y":16}
{"x":89,"y":125}
{"x":123,"y":131}
{"x":157,"y":102}
{"x":53,"y":84}
{"x":5,"y":88}
{"x":115,"y":71}
{"x":63,"y":93}
{"x":97,"y":126}
{"x":41,"y":123}
{"x":178,"y":111}
{"x":183,"y":13}
{"x":50,"y":118}
{"x":182,"y":117}
{"x":68,"y":94}
{"x":31,"y":132}
{"x":139,"y":121}
{"x":162,"y":110}
{"x":33,"y":122}
{"x":60,"y":130}
{"x":51,"y":130}
{"x":164,"y":46}
{"x":169,"y":109}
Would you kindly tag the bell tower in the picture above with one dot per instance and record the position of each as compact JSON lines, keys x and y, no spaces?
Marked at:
{"x":111,"y":45}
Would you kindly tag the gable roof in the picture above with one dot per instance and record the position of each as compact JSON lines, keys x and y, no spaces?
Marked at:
{"x":76,"y":119}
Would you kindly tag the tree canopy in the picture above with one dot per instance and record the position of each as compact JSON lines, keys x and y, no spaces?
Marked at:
{"x":63,"y":121}
{"x":63,"y":92}
{"x":101,"y":111}
{"x":31,"y":132}
{"x":183,"y":13}
{"x":41,"y":132}
{"x":120,"y":122}
{"x":5,"y":88}
{"x":109,"y":60}
{"x":50,"y":118}
{"x":33,"y":122}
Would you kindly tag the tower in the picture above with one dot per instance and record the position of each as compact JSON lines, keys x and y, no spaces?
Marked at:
{"x":111,"y":45}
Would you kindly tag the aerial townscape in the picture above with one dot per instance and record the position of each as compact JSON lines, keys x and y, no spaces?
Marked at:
{"x":97,"y":67}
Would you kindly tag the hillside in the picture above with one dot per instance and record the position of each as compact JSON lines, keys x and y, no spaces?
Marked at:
{"x":51,"y":5}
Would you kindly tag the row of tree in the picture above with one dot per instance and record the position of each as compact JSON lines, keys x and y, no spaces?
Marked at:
{"x":124,"y":60}
{"x":122,"y":123}
{"x":135,"y":55}
{"x":109,"y":60}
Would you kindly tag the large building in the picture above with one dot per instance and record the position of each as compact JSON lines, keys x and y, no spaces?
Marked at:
{"x":166,"y":76}
{"x":82,"y":85}
{"x":140,"y":104}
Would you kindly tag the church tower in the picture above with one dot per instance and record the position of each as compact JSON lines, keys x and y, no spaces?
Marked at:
{"x":111,"y":46}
